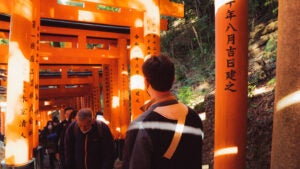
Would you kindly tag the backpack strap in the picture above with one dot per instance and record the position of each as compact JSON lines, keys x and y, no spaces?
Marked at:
{"x":181,"y":117}
{"x":176,"y":138}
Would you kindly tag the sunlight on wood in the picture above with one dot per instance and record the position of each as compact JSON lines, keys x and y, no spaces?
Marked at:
{"x":137,"y":82}
{"x":219,"y":4}
{"x":16,"y":151}
{"x":136,"y":53}
{"x":138,"y":23}
{"x":18,"y":72}
{"x":115,"y":102}
{"x":289,"y":100}
{"x":226,"y":151}
{"x":86,"y":16}
{"x":23,"y":8}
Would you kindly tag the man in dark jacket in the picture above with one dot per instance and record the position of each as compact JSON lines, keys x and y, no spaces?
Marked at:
{"x":88,"y":144}
{"x":168,"y":135}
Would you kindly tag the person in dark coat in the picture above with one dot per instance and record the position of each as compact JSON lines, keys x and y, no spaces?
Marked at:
{"x":51,"y":142}
{"x":88,"y":144}
{"x":168,"y":134}
{"x":61,"y":145}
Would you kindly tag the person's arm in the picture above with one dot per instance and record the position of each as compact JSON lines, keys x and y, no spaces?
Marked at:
{"x":108,"y":147}
{"x":69,"y":147}
{"x":138,"y":150}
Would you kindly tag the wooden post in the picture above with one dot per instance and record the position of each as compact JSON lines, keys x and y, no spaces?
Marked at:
{"x":231,"y":83}
{"x":21,"y":76}
{"x":106,"y":92}
{"x":145,"y":40}
{"x":152,"y":28}
{"x":124,"y":115}
{"x":115,"y":99}
{"x":96,"y":91}
{"x":137,"y":50}
{"x":2,"y":120}
{"x":35,"y":68}
{"x":286,"y":126}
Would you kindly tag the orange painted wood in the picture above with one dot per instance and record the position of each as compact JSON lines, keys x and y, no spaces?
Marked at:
{"x":3,"y":54}
{"x":163,"y":24}
{"x":88,"y":33}
{"x":115,"y":104}
{"x":2,"y":116}
{"x":167,"y":7}
{"x":231,"y":84}
{"x":64,"y":92}
{"x":70,"y":81}
{"x":57,"y":38}
{"x":5,"y":7}
{"x":137,"y":54}
{"x":4,"y":26}
{"x":34,"y":63}
{"x":124,"y":115}
{"x":20,"y":48}
{"x":96,"y":91}
{"x":50,"y":55}
{"x":88,"y":14}
{"x":106,"y":92}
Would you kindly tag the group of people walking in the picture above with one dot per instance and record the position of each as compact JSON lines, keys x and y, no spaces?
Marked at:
{"x":167,"y":135}
{"x":78,"y":142}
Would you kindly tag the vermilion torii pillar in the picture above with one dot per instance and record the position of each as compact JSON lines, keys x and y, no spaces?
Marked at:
{"x":22,"y":69}
{"x":231,"y":83}
{"x":123,"y":83}
{"x":286,"y":124}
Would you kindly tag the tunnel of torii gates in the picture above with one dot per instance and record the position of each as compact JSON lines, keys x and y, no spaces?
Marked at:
{"x":88,"y":53}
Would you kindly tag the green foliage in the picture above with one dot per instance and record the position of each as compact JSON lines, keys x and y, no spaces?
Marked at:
{"x":251,"y":88}
{"x":190,"y":41}
{"x":3,"y":41}
{"x":258,"y":9}
{"x":185,"y":94}
{"x":271,"y":82}
{"x":271,"y":48}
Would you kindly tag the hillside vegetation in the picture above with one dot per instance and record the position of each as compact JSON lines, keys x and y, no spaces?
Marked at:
{"x":190,"y":42}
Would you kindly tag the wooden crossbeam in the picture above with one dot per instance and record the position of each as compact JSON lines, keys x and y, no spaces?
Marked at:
{"x":50,"y":55}
{"x":90,"y":13}
{"x":55,"y":103}
{"x":64,"y":92}
{"x":166,"y":7}
{"x":68,"y":31}
{"x":70,"y":56}
{"x":65,"y":81}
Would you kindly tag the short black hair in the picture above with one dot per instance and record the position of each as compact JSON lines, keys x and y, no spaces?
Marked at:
{"x":72,"y":115}
{"x":99,"y":113}
{"x":159,"y":71}
{"x":68,"y":108}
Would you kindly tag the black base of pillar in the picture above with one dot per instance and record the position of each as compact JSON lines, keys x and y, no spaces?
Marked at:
{"x":29,"y":165}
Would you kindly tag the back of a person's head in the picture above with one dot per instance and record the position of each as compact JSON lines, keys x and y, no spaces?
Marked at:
{"x":72,"y":115}
{"x":100,"y":113}
{"x":68,"y":108}
{"x":55,"y":119}
{"x":159,"y":72}
{"x":84,"y":113}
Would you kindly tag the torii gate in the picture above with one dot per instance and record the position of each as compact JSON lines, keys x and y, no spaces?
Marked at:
{"x":25,"y":53}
